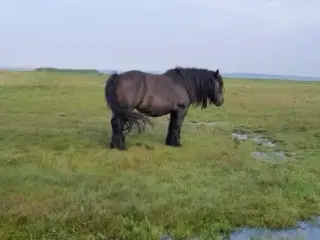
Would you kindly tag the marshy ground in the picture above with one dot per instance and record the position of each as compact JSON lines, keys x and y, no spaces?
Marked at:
{"x":59,"y":179}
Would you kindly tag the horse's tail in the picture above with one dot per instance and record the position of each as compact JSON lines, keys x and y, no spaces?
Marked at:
{"x":129,"y":117}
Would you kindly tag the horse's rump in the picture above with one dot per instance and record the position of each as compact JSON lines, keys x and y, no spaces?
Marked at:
{"x":120,"y":110}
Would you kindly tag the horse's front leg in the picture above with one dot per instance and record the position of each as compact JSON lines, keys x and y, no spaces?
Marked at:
{"x":174,"y":128}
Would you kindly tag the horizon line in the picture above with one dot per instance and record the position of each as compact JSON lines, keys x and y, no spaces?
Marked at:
{"x":226,"y":73}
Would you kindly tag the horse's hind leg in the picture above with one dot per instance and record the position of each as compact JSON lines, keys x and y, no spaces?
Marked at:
{"x":117,"y":139}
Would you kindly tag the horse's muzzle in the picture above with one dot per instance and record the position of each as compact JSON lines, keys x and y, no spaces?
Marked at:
{"x":219,"y":102}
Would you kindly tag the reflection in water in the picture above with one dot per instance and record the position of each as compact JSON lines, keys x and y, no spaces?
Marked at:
{"x":304,"y":231}
{"x":239,"y":136}
{"x":269,"y":156}
{"x":263,"y":141}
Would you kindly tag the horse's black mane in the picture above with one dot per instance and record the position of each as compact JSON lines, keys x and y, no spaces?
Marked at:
{"x":198,"y":82}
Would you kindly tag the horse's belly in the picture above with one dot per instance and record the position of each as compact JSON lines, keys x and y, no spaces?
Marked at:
{"x":154,"y":112}
{"x":154,"y":106}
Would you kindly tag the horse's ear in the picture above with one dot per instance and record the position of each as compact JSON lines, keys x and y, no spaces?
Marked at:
{"x":216,"y":73}
{"x":177,"y":69}
{"x":179,"y":72}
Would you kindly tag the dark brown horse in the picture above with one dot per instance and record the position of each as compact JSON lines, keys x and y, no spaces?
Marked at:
{"x":156,"y":95}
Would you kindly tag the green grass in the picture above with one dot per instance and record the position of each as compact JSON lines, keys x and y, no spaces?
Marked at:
{"x":59,"y":179}
{"x":68,"y":70}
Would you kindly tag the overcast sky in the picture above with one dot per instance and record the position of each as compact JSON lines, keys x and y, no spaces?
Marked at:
{"x":261,"y":36}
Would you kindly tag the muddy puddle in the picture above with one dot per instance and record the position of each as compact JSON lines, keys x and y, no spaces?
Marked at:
{"x":308,"y":230}
{"x":258,"y":139}
{"x":304,"y":231}
{"x":209,"y":124}
{"x":268,"y":156}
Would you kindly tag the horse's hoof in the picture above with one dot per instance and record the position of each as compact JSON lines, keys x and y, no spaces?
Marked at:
{"x":121,"y":148}
{"x":174,"y":144}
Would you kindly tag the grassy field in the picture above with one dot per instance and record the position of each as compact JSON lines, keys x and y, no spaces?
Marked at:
{"x":60,"y":181}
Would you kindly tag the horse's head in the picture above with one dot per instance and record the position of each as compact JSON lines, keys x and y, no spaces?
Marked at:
{"x":215,"y":93}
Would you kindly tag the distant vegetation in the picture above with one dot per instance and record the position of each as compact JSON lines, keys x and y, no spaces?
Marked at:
{"x":255,"y":76}
{"x":67,"y":70}
{"x":258,"y":76}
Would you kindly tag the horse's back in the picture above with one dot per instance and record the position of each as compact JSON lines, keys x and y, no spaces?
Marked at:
{"x":165,"y":87}
{"x":149,"y":79}
{"x":151,"y":83}
{"x":132,"y":74}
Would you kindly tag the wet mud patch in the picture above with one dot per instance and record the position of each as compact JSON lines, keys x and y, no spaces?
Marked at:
{"x":266,"y":142}
{"x":258,"y":139}
{"x":240,"y":136}
{"x":263,"y":141}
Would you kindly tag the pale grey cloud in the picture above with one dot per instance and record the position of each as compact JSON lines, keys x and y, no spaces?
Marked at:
{"x":274,"y":36}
